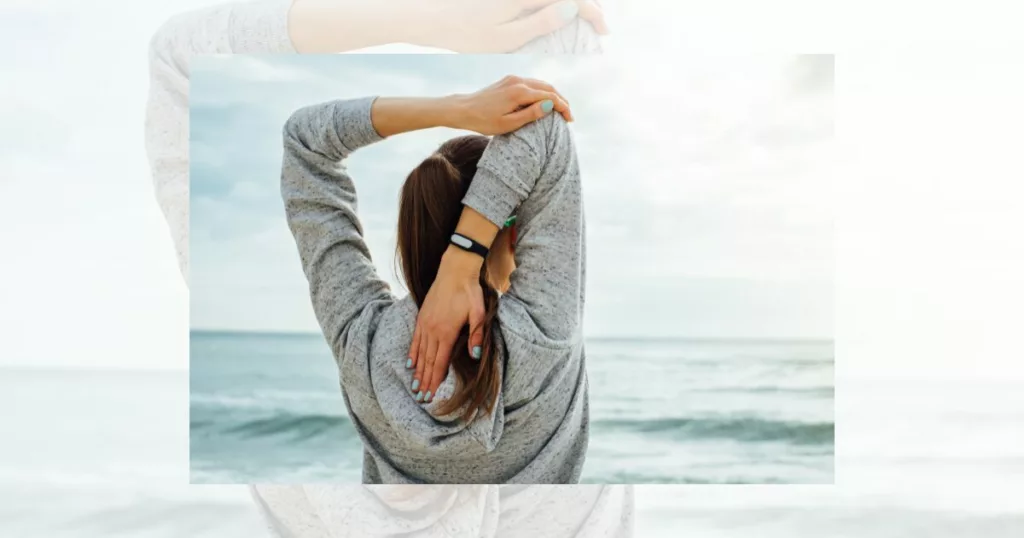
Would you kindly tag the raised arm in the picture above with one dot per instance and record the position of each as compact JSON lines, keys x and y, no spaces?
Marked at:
{"x":256,"y":26}
{"x":320,"y":205}
{"x":284,"y":26}
{"x":320,"y":197}
{"x":533,"y":173}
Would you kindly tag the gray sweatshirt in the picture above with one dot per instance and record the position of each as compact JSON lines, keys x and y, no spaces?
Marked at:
{"x":538,"y":433}
{"x":247,"y":27}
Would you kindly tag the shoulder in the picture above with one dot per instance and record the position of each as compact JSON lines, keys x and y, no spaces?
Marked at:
{"x":540,"y":137}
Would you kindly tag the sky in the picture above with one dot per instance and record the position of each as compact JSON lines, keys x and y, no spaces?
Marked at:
{"x":89,"y":278}
{"x":707,"y":185}
{"x":927,"y":251}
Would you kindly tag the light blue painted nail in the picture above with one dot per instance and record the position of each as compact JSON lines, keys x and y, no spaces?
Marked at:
{"x":547,"y":105}
{"x":476,"y":352}
{"x":408,"y":363}
{"x":568,"y":10}
{"x":415,"y":384}
{"x":419,"y":396}
{"x":428,"y":396}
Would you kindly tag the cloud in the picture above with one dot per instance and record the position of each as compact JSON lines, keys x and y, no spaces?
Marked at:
{"x":706,"y":184}
{"x":814,"y":73}
{"x":249,"y":68}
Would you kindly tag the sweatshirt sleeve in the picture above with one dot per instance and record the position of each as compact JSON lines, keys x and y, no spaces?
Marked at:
{"x":320,"y":206}
{"x":533,"y":173}
{"x":256,"y":26}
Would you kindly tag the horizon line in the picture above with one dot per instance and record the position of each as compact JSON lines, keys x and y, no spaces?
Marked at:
{"x":691,"y":338}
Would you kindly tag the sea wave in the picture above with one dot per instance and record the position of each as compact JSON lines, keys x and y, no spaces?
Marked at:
{"x":264,"y":399}
{"x":745,"y":429}
{"x":300,"y":426}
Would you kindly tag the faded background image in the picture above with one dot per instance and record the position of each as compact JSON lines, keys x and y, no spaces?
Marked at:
{"x":709,"y":270}
{"x":94,"y":317}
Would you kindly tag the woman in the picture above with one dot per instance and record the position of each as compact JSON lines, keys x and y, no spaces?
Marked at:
{"x":512,"y":407}
{"x":328,"y":26}
{"x":279,"y":26}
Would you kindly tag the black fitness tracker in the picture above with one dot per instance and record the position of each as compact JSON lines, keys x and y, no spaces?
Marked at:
{"x":468,"y":245}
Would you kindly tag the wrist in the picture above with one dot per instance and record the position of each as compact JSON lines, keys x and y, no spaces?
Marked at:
{"x":322,"y":26}
{"x":451,"y":111}
{"x":426,"y":24}
{"x":461,"y":263}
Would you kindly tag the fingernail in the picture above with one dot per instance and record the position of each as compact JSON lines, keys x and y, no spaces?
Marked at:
{"x":568,"y":10}
{"x":408,"y":363}
{"x":476,"y":352}
{"x":547,"y":105}
{"x":428,"y":397}
{"x":419,"y":396}
{"x":415,"y":384}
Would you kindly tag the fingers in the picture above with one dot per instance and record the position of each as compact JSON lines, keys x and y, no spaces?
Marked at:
{"x":428,"y":371}
{"x":513,"y":9}
{"x":440,"y":370}
{"x":521,"y":31}
{"x":531,"y":113}
{"x":592,"y":13}
{"x":526,"y":91}
{"x":529,"y":5}
{"x":421,"y":364}
{"x":541,"y":85}
{"x":530,"y":96}
{"x":476,"y":333}
{"x":414,"y":348}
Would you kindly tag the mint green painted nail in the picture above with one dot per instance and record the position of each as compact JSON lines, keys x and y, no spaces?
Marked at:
{"x":547,"y":105}
{"x":415,"y":384}
{"x":408,"y":363}
{"x":568,"y":10}
{"x":428,"y":397}
{"x":476,"y":352}
{"x":419,"y":396}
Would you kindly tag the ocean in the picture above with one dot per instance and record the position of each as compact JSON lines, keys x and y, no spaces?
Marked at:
{"x":105,"y":453}
{"x":268,"y":408}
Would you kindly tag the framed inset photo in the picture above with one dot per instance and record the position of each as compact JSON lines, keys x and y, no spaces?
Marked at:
{"x":511,"y":269}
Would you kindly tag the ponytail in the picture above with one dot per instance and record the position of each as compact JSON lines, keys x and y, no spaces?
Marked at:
{"x":429,"y":210}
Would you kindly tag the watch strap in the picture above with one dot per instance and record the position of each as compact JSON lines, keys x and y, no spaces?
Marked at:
{"x":468,"y":244}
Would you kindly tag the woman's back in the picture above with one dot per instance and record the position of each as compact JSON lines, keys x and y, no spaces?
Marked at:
{"x":538,"y":431}
{"x":536,"y":435}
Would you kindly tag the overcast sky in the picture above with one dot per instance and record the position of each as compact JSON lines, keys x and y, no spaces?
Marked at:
{"x":90,"y":280}
{"x":707,"y":185}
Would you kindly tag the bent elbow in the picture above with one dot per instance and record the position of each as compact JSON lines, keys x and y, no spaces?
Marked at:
{"x":293,"y":124}
{"x":169,"y":44}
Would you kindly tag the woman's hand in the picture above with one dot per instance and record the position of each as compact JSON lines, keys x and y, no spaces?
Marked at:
{"x":506,"y":106}
{"x":499,"y":108}
{"x":474,"y":26}
{"x":454,"y":300}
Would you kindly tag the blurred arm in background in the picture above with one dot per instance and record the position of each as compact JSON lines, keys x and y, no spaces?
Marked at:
{"x":322,"y":26}
{"x":287,"y":26}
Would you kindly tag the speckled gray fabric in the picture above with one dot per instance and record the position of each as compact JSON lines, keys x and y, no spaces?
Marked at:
{"x":253,"y":27}
{"x":246,"y":27}
{"x":538,"y":434}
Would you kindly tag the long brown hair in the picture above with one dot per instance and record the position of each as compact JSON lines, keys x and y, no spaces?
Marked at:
{"x":429,"y":210}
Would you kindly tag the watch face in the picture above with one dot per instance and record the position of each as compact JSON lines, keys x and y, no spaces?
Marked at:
{"x":461,"y":241}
